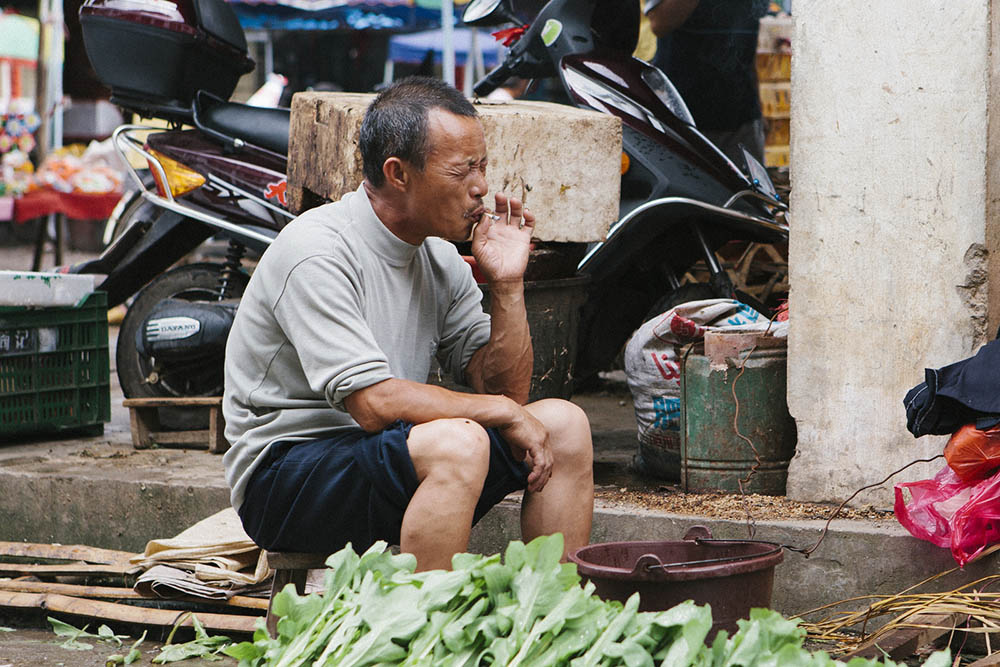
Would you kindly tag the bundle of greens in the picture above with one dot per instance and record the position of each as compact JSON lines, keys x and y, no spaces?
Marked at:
{"x":529,"y":609}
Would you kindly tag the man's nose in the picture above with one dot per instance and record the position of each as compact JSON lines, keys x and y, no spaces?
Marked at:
{"x":479,"y":186}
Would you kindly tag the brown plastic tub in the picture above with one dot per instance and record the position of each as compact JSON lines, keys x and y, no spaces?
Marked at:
{"x":732,"y":576}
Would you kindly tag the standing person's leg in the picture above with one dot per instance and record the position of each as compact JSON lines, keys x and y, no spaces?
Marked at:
{"x":566,"y":504}
{"x":451,"y":458}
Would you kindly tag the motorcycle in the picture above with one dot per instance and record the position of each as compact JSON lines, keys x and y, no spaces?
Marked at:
{"x":682,"y":198}
{"x":225,"y":177}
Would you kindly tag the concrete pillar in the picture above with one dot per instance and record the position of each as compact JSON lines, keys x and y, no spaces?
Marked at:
{"x":895,"y":243}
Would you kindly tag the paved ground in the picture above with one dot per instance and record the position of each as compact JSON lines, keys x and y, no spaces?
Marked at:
{"x":37,"y":647}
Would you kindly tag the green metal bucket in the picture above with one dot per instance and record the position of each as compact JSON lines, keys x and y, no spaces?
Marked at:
{"x":713,"y":455}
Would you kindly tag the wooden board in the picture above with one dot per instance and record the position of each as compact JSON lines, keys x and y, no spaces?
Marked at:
{"x":117,"y":593}
{"x":65,"y":552}
{"x":904,"y":641}
{"x":145,"y":423}
{"x":68,"y":569}
{"x":564,"y":162}
{"x":111,"y":611}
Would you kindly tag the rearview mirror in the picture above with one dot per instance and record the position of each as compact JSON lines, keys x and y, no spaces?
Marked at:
{"x":488,"y":12}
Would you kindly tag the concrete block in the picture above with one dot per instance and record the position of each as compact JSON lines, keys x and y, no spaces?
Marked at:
{"x":563,"y":162}
{"x":889,"y":263}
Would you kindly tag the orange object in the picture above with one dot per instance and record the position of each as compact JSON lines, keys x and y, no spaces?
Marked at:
{"x":973,"y":454}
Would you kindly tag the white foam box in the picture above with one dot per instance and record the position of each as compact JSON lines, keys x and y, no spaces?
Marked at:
{"x":28,"y":288}
{"x":564,"y":162}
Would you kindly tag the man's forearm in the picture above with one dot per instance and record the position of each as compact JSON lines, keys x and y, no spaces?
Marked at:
{"x":504,"y":364}
{"x":378,"y":406}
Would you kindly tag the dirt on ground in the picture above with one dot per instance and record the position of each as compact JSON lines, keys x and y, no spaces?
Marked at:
{"x":35,"y":646}
{"x":729,"y":506}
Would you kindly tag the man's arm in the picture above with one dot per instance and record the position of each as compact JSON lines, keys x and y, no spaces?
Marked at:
{"x":502,"y":366}
{"x":501,"y":248}
{"x":666,"y":16}
{"x":379,"y":405}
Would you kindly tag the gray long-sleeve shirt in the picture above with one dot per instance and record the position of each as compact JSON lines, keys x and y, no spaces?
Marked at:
{"x":338,"y":303}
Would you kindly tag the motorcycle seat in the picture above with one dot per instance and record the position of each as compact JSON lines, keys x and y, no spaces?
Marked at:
{"x":260,"y":126}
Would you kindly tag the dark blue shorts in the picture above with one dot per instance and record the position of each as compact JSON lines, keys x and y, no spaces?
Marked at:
{"x":353,"y":487}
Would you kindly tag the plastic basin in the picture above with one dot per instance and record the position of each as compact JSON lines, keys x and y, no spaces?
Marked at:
{"x":732,"y":576}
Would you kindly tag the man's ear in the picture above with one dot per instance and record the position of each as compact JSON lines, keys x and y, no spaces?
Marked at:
{"x":396,"y":173}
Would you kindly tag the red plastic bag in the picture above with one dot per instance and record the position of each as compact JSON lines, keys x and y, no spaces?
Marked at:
{"x":973,"y":454}
{"x":962,"y":516}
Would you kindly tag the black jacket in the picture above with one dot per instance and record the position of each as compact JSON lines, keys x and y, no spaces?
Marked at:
{"x":964,"y":392}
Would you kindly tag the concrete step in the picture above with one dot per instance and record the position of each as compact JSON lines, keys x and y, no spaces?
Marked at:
{"x":101,"y":492}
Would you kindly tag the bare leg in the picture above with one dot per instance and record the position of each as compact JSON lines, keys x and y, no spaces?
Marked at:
{"x":566,"y":504}
{"x":451,"y":458}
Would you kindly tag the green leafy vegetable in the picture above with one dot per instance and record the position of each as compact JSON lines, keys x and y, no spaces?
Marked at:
{"x":528,"y":610}
{"x":133,"y":654}
{"x":202,"y":646}
{"x":74,"y":634}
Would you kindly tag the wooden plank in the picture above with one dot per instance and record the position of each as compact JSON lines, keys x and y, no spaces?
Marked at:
{"x":139,"y":421}
{"x":68,"y":569}
{"x":117,"y":593}
{"x":75,"y":552}
{"x":904,"y":641}
{"x":111,"y":611}
{"x":172,"y":402}
{"x":217,"y":443}
{"x":199,"y":437}
{"x":146,"y":431}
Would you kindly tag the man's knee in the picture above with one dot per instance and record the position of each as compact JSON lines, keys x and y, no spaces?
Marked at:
{"x":459,"y":448}
{"x":568,"y":427}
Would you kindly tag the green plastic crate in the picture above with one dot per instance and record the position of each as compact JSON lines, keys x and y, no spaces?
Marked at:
{"x":54,"y":368}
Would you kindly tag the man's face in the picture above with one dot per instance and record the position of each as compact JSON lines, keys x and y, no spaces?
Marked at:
{"x":446,"y":197}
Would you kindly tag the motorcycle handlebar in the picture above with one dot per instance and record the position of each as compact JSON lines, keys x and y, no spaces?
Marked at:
{"x":492,"y":80}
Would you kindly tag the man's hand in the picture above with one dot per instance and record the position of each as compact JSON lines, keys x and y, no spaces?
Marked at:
{"x":501,"y":246}
{"x":529,"y":440}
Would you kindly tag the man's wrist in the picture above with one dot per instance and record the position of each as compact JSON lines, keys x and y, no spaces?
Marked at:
{"x":506,"y":286}
{"x":509,"y":411}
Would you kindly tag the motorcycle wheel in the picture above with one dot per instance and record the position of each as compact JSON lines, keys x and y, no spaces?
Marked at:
{"x":192,"y":282}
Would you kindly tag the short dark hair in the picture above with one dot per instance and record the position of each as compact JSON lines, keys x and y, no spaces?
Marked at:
{"x":395,"y":124}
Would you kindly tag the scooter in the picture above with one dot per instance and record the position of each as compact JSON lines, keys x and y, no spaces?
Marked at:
{"x":682,"y":199}
{"x":225,"y":178}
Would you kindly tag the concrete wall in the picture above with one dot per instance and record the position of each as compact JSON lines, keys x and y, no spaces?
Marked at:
{"x":893,"y":219}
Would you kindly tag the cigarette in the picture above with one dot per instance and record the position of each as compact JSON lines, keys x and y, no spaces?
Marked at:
{"x":492,"y":216}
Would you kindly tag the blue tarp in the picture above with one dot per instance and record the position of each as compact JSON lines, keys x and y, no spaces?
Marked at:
{"x":394,"y":15}
{"x":412,"y":48}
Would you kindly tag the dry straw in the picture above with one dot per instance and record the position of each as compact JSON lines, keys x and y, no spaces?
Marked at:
{"x":977,"y":611}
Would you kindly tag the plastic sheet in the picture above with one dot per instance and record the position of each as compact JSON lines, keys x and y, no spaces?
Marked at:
{"x":973,"y":454}
{"x":951,"y":513}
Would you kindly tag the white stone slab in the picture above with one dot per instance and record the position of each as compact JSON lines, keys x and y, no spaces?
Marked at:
{"x":27,"y":288}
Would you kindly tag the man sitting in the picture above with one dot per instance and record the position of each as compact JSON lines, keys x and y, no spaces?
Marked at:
{"x":336,"y":437}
